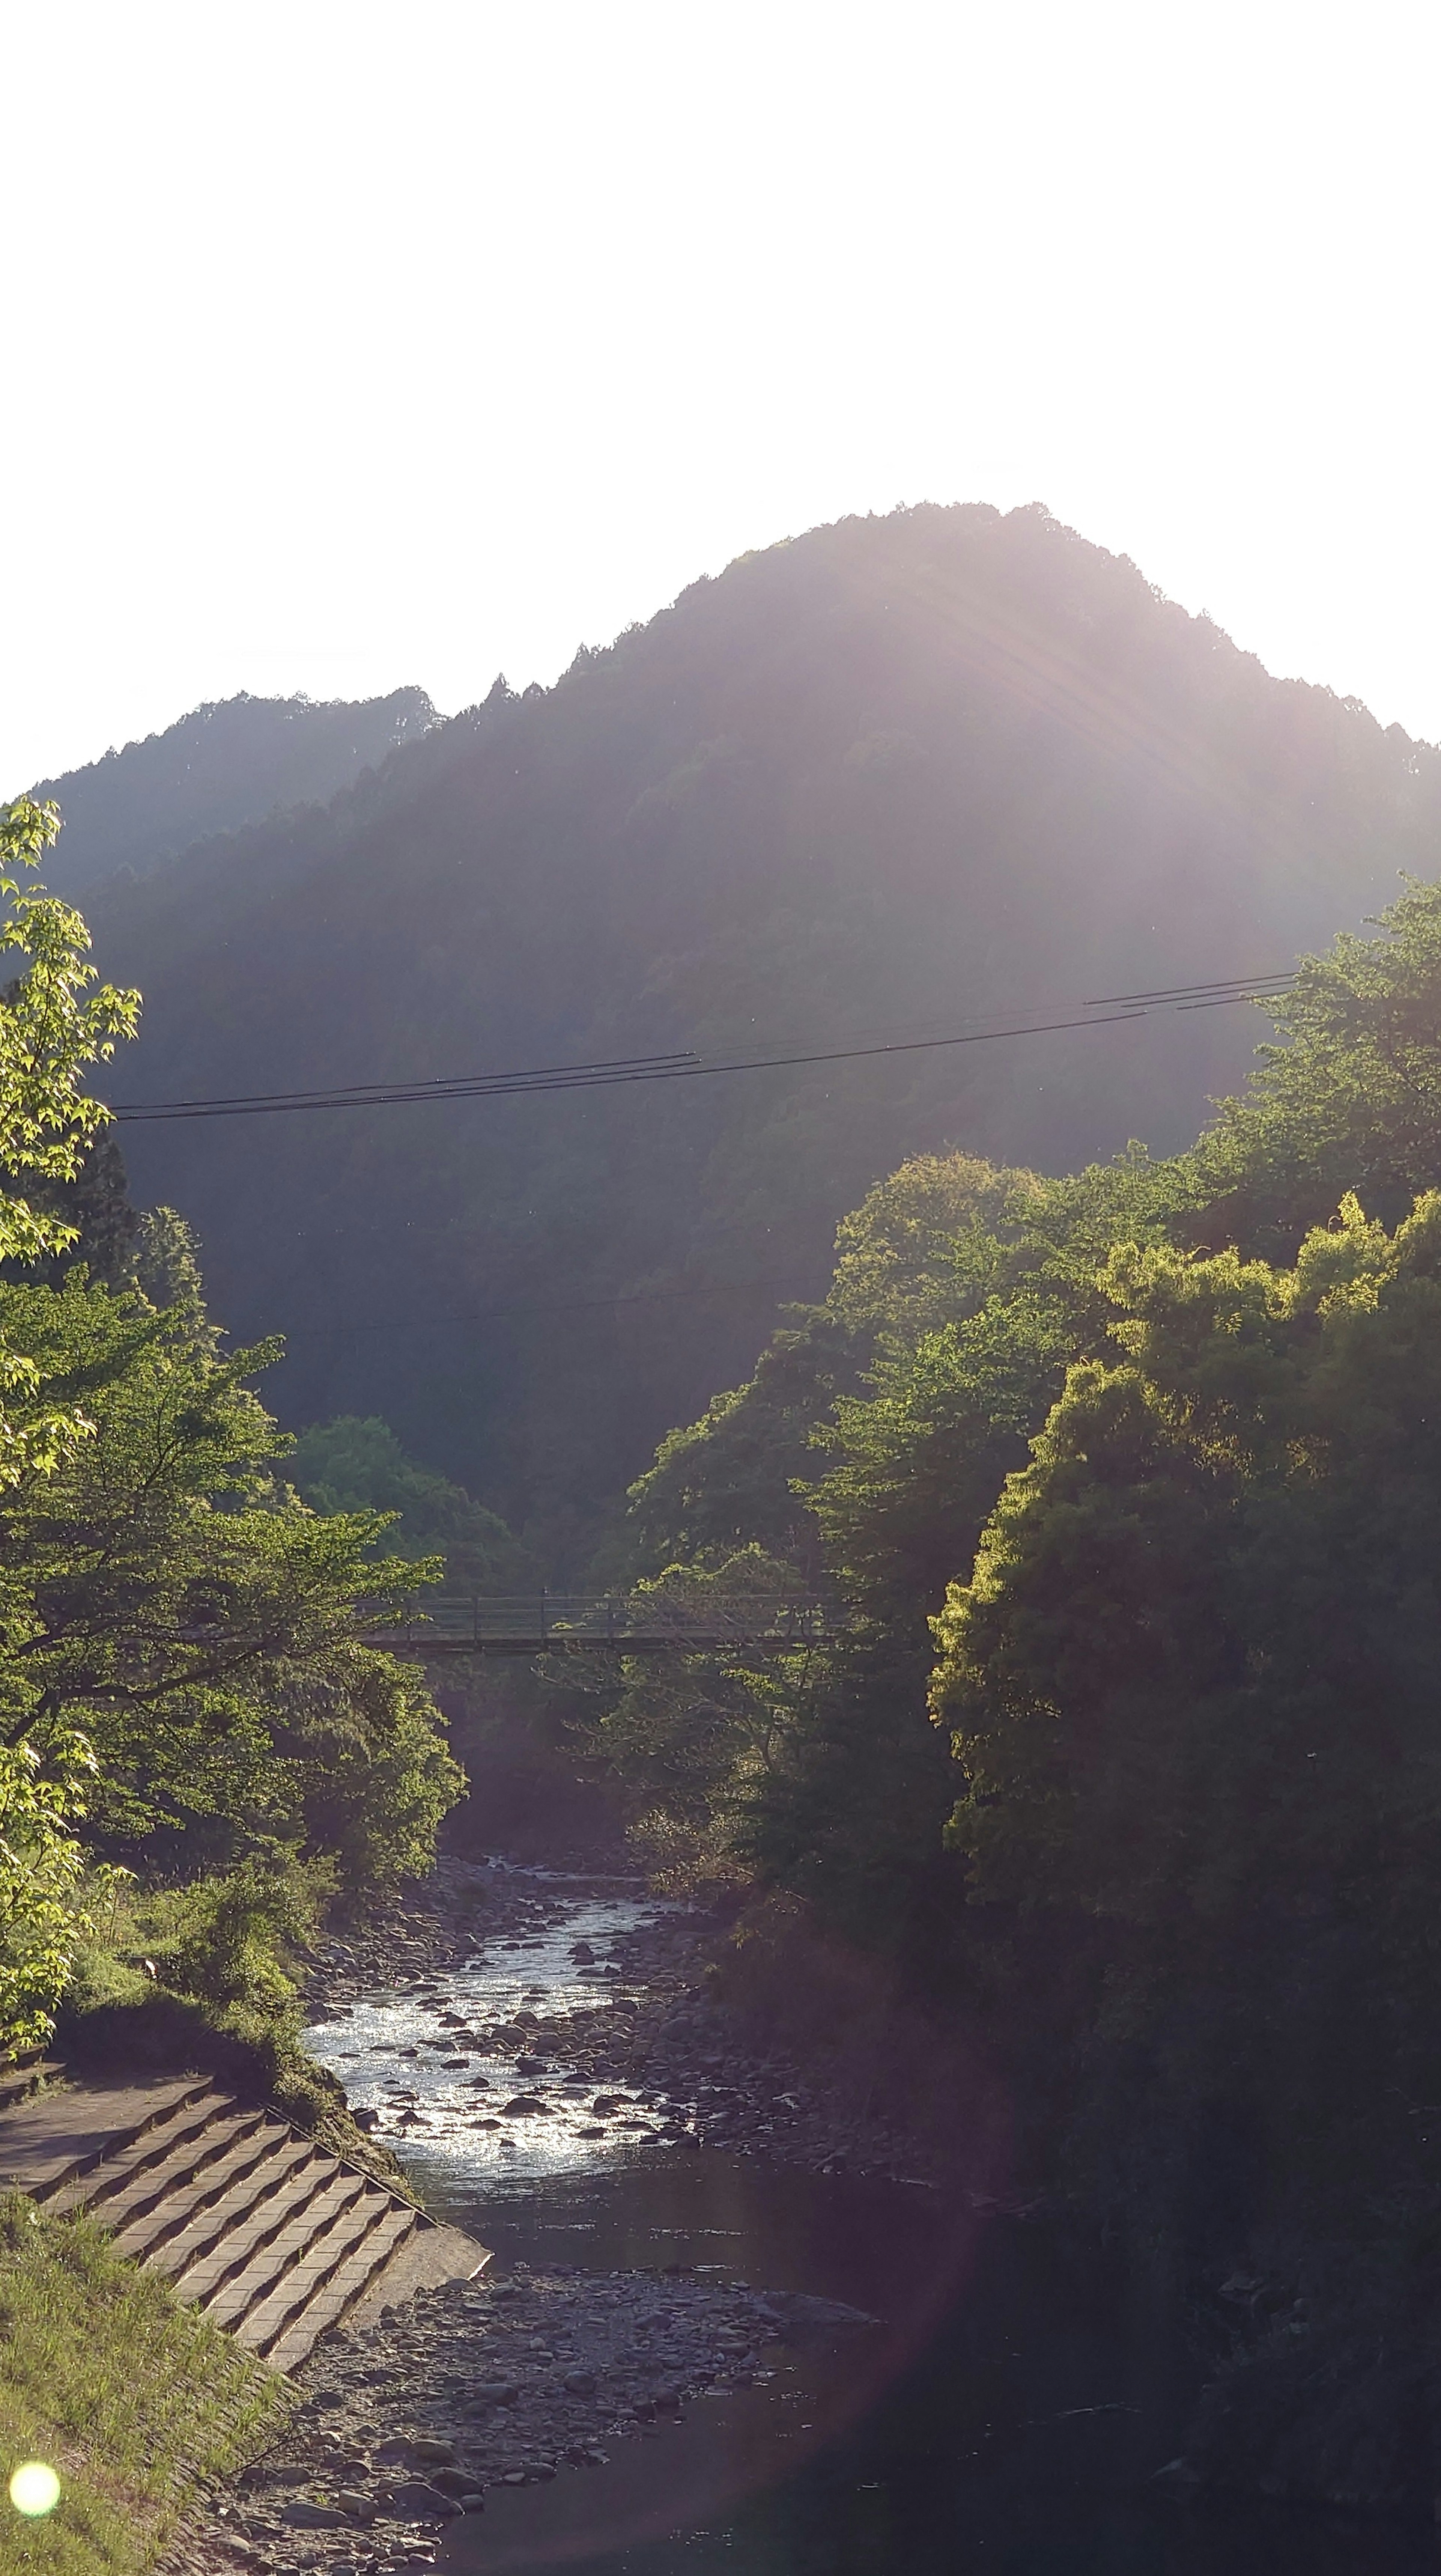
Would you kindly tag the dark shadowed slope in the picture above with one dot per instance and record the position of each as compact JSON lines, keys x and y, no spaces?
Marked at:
{"x":898,"y":774}
{"x":218,"y":768}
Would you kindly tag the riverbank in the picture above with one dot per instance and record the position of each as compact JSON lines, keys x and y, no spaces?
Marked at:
{"x":132,"y":2400}
{"x":406,"y":2423}
{"x":683,"y":2026}
{"x":533,"y":2373}
{"x":560,"y":2065}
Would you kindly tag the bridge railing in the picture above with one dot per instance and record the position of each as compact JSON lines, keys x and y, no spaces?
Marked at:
{"x":459,"y":1622}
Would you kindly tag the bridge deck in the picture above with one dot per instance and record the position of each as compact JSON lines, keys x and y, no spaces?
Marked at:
{"x":561,"y":1624}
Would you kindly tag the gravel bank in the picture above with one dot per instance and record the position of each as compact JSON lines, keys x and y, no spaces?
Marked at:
{"x":405,"y":2425}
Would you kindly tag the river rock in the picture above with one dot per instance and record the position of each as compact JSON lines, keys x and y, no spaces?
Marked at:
{"x":808,"y":2324}
{"x":418,"y":2501}
{"x":430,"y":2451}
{"x":300,"y":2516}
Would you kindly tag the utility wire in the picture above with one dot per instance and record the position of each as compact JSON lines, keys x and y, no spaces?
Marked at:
{"x":684,"y":1065}
{"x":367,"y":1095}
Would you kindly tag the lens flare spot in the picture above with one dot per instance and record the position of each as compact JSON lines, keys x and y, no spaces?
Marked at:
{"x":34,"y":2488}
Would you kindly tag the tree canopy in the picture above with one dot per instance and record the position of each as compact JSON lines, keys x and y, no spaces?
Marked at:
{"x":1132,"y":1751}
{"x":179,"y":1647}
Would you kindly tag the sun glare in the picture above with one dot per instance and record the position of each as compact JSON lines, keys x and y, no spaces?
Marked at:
{"x":34,"y":2489}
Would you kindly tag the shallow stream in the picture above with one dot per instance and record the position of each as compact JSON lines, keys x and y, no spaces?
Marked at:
{"x":995,"y":2422}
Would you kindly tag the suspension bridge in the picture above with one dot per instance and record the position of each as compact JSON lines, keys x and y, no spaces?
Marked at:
{"x":571,"y":1623}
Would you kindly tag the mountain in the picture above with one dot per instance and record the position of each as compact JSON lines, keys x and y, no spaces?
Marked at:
{"x":218,"y":768}
{"x":898,"y":776}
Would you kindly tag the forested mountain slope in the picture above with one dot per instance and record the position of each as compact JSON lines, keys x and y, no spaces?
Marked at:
{"x":221,"y":766}
{"x":897,"y":775}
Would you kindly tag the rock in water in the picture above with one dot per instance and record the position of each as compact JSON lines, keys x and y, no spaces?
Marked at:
{"x":808,"y":2324}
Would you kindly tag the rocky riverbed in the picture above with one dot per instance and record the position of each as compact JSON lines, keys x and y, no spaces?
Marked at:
{"x":656,"y":2031}
{"x":513,"y":2380}
{"x":404,"y":2426}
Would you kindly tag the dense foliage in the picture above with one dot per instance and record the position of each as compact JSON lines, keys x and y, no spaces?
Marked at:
{"x":1141,"y":1482}
{"x":354,"y":1465}
{"x":54,"y":1024}
{"x":170,"y":1594}
{"x":180,"y":1654}
{"x":903,"y":776}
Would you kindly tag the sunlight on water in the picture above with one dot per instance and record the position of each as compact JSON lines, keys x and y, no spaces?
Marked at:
{"x":441,"y":2087}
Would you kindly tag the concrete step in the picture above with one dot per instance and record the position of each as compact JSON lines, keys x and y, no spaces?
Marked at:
{"x":143,"y":2169}
{"x":23,"y":2075}
{"x":285,"y":2212}
{"x":59,"y":2135}
{"x":290,"y":2345}
{"x":246,"y":2216}
{"x":175,"y":2231}
{"x":431,"y":2255}
{"x":307,"y":2240}
{"x":345,"y":2245}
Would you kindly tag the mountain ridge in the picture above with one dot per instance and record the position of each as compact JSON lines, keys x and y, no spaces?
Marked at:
{"x":223,"y":764}
{"x":895,"y":773}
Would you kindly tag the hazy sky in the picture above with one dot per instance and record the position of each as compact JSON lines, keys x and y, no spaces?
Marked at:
{"x":351,"y":344}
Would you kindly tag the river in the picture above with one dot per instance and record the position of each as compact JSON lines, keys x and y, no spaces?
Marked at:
{"x":995,"y":2422}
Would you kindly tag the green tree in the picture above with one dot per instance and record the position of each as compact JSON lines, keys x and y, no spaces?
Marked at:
{"x":356,"y":1464}
{"x":55,"y":1022}
{"x":1191,"y":1688}
{"x":1348,"y":1096}
{"x":166,"y":1590}
{"x":179,"y":1632}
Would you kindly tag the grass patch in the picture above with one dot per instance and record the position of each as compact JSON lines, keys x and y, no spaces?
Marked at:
{"x":131,"y":2398}
{"x":204,"y":1976}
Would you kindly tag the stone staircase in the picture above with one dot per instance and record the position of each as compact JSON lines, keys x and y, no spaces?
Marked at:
{"x":246,"y":2216}
{"x":23,"y":2071}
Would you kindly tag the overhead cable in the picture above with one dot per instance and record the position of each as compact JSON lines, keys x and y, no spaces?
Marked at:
{"x":684,"y":1065}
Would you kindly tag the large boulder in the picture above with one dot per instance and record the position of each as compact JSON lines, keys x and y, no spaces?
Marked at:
{"x":809,"y":2324}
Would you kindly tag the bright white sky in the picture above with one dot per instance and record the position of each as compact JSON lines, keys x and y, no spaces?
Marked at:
{"x":351,"y":344}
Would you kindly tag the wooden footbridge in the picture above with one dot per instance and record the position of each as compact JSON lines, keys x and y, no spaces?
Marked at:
{"x":569,"y":1623}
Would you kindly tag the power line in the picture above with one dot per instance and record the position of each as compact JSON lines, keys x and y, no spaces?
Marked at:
{"x":684,"y":1065}
{"x":370,"y":1095}
{"x":1228,"y":987}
